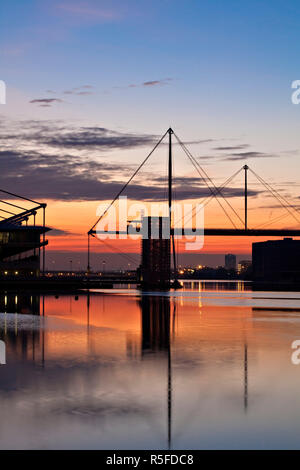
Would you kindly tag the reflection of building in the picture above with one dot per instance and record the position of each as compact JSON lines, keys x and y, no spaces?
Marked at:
{"x":230,"y":261}
{"x":23,"y":302}
{"x":155,"y":268}
{"x":244,"y":265}
{"x":22,"y":335}
{"x":155,"y":323}
{"x":276,"y":260}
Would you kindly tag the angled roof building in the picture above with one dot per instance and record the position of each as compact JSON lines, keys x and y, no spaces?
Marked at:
{"x":22,"y":239}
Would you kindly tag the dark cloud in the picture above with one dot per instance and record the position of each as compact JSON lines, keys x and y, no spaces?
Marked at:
{"x":46,"y":160}
{"x":81,"y":138}
{"x":234,"y":147}
{"x":164,"y":81}
{"x":66,"y":177}
{"x":245,"y":155}
{"x":46,"y":101}
{"x":96,"y":137}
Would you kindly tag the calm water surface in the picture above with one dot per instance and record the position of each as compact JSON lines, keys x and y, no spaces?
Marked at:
{"x":205,"y":367}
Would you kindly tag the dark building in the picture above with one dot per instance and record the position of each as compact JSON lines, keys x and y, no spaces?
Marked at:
{"x":230,"y":262}
{"x":277,"y":260}
{"x":20,"y":249}
{"x":155,"y":267}
{"x":21,"y":238}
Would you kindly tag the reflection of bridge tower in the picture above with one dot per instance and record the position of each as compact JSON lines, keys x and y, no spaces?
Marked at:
{"x":155,"y":324}
{"x":156,"y":338}
{"x":245,"y":377}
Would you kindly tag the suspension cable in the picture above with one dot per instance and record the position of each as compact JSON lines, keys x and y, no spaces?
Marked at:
{"x":208,"y":199}
{"x":130,"y":179}
{"x":214,"y":192}
{"x":275,"y":219}
{"x":120,"y":252}
{"x":274,"y":194}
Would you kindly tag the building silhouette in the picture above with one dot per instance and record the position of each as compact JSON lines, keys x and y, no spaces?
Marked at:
{"x":21,"y":238}
{"x":276,"y":260}
{"x":155,"y":268}
{"x":20,"y":249}
{"x":230,"y":262}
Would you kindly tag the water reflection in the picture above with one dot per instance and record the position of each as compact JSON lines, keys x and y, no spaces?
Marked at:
{"x":194,"y":370}
{"x":26,"y":342}
{"x":156,"y":338}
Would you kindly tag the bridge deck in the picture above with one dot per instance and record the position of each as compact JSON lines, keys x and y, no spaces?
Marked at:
{"x":221,"y":232}
{"x":252,"y":232}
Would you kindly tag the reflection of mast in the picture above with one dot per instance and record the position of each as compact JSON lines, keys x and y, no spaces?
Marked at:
{"x":156,"y":339}
{"x":170,"y":382}
{"x":88,"y":320}
{"x":43,"y":332}
{"x":169,"y":396}
{"x":245,"y":377}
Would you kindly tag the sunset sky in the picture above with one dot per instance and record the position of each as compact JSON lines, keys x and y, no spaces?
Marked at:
{"x":92,"y":85}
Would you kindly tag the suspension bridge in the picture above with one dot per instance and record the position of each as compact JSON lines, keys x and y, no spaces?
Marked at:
{"x":215,"y":193}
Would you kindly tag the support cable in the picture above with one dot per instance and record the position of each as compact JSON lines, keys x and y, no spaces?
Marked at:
{"x":214,"y":192}
{"x":275,"y":219}
{"x":276,"y":195}
{"x":120,"y":252}
{"x":130,"y":179}
{"x":219,"y":189}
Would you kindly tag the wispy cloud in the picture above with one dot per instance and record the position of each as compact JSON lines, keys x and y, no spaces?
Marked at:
{"x":81,"y":90}
{"x":46,"y":102}
{"x":234,"y":147}
{"x":148,"y":83}
{"x":246,"y":155}
{"x":164,"y":81}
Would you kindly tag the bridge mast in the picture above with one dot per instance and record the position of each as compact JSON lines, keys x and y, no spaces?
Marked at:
{"x":245,"y":167}
{"x":170,"y":132}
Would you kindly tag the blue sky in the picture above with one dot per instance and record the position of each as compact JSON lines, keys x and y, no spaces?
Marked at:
{"x":230,"y":65}
{"x":216,"y":71}
{"x":220,"y":55}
